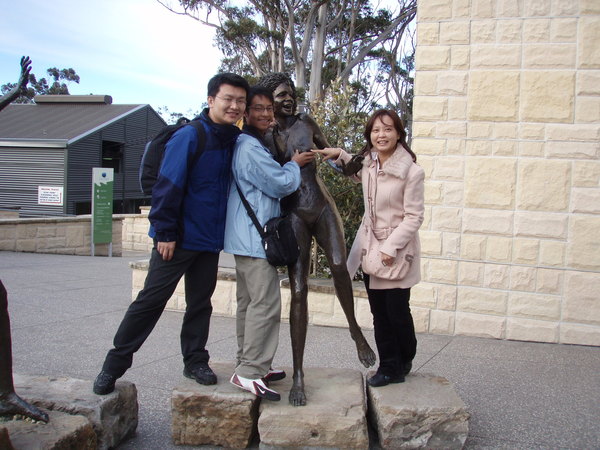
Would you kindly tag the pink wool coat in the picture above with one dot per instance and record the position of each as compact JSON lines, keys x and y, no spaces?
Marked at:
{"x":396,"y":192}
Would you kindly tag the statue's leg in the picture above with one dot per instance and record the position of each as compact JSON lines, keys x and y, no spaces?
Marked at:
{"x":298,"y":274}
{"x":330,"y":237}
{"x":10,"y":402}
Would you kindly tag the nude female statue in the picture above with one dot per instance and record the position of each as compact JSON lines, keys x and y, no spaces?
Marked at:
{"x":10,"y":402}
{"x":313,"y":213}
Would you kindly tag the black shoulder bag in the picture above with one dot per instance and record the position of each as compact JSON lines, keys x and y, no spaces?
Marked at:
{"x":277,"y":236}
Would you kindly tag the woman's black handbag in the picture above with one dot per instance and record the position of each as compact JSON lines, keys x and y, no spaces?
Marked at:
{"x":277,"y":236}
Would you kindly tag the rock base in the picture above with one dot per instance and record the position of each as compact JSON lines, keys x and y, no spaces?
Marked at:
{"x":221,"y":414}
{"x":423,"y":412}
{"x":63,"y":431}
{"x":113,"y":417}
{"x":334,"y":414}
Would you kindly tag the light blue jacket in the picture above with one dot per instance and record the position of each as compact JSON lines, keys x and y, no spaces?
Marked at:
{"x":263,"y":182}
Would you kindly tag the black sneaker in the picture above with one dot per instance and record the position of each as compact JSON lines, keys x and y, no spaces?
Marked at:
{"x":202,"y":374}
{"x":274,"y":375}
{"x":104,"y":384}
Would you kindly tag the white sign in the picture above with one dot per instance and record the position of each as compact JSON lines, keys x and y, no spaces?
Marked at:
{"x":50,"y":195}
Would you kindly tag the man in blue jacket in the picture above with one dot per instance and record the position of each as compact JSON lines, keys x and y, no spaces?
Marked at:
{"x":187,"y":223}
{"x":263,"y":182}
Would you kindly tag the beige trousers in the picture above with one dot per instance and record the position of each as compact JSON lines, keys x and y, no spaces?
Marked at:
{"x":257,"y":317}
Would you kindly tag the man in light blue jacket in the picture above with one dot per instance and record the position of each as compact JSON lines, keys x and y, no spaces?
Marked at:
{"x":263,"y":182}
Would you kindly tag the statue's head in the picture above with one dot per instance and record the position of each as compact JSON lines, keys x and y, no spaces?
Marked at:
{"x":284,"y":92}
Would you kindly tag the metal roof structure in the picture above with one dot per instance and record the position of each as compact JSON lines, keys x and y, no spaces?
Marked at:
{"x":58,"y":120}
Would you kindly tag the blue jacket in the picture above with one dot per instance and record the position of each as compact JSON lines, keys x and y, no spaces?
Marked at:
{"x":189,"y":205}
{"x":263,"y":182}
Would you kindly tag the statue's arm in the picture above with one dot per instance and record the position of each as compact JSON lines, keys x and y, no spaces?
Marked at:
{"x":319,"y":138}
{"x":22,"y":83}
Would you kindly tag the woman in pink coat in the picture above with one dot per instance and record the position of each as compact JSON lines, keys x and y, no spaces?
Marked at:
{"x":387,"y":242}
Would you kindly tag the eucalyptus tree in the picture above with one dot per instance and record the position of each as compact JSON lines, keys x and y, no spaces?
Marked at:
{"x":316,"y":40}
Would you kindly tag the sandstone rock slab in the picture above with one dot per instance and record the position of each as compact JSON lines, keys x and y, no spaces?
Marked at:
{"x":221,"y":414}
{"x":334,"y":414}
{"x":63,"y":431}
{"x":423,"y":412}
{"x":113,"y":417}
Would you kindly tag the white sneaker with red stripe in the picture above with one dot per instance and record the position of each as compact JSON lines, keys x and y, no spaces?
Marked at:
{"x":274,"y":375}
{"x":256,"y":386}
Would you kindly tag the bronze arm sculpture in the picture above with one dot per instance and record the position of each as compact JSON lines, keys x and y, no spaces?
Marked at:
{"x":313,"y":213}
{"x":21,"y":84}
{"x":10,"y":402}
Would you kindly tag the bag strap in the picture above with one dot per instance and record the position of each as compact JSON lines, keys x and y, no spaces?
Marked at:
{"x":198,"y":125}
{"x":250,"y":211}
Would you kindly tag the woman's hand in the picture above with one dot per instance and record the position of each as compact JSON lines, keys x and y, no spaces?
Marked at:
{"x":386,"y":259}
{"x":329,"y":153}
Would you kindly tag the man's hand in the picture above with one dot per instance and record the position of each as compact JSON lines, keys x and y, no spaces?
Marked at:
{"x":303,"y":158}
{"x":166,"y":250}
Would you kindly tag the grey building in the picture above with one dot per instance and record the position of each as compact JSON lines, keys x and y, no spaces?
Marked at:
{"x":50,"y":147}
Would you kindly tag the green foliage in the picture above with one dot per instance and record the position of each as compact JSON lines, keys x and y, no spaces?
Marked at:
{"x":344,"y":126}
{"x":57,"y":84}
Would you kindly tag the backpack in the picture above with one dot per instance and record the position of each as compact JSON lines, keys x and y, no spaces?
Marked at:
{"x":155,"y":151}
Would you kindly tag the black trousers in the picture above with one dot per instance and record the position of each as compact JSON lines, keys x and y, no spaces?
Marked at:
{"x":200,"y":270}
{"x":394,"y":328}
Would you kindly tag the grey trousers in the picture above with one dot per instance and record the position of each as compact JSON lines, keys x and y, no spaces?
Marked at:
{"x":257,"y":317}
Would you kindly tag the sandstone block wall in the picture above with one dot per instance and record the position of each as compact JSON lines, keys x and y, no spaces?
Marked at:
{"x":60,"y":235}
{"x":135,"y":231}
{"x":507,"y":128}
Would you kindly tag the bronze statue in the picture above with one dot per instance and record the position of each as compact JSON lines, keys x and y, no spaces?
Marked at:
{"x":313,"y":213}
{"x":10,"y":402}
{"x":21,"y":84}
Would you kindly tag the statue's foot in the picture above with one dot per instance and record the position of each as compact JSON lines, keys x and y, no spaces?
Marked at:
{"x":297,"y":396}
{"x":11,"y":404}
{"x":365,"y":354}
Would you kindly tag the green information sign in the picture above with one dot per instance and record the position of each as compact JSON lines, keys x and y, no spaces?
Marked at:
{"x":102,"y":205}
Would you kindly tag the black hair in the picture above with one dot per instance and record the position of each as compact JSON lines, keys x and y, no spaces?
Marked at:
{"x":256,"y":91}
{"x":398,"y":125}
{"x":232,"y":79}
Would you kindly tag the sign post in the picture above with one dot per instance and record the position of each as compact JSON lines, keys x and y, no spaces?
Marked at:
{"x":102,"y":207}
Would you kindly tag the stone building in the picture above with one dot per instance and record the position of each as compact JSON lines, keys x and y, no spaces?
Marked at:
{"x":507,"y":128}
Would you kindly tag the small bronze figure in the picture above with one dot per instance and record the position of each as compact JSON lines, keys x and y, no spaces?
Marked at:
{"x":313,"y":213}
{"x":10,"y":402}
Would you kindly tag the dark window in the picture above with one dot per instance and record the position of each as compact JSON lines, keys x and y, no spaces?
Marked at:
{"x":112,"y":155}
{"x":83,"y":208}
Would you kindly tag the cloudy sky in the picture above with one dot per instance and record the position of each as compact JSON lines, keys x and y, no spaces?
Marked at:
{"x":134,"y":50}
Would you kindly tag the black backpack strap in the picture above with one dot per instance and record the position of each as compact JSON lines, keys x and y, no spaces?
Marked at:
{"x":199,"y":126}
{"x":250,"y":211}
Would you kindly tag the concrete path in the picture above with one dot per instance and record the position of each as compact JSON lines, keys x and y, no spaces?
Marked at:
{"x":64,"y":311}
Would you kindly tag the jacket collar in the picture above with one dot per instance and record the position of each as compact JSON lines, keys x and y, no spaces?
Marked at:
{"x":397,"y":165}
{"x":255,"y":134}
{"x":226,"y":133}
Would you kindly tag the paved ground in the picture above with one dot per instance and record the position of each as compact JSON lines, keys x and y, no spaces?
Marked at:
{"x":64,"y":311}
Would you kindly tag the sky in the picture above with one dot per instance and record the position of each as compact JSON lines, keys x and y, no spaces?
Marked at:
{"x":136,"y":51}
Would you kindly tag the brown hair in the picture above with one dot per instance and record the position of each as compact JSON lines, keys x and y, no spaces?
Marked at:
{"x":398,"y":125}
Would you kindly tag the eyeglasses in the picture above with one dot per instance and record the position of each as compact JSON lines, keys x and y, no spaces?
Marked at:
{"x":261,"y":108}
{"x":230,"y":100}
